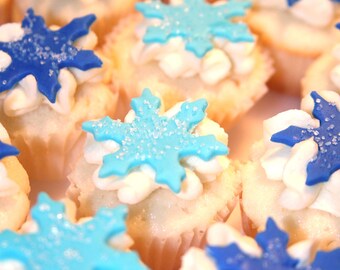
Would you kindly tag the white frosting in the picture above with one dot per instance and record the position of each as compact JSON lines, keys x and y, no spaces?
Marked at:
{"x":25,"y":97}
{"x":318,"y":13}
{"x":12,"y":265}
{"x":175,"y":61}
{"x":220,"y":234}
{"x":138,"y":184}
{"x":288,"y":164}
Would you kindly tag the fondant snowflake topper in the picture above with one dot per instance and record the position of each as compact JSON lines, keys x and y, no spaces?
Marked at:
{"x":327,"y":137}
{"x":196,"y":22}
{"x":60,"y":244}
{"x":42,"y":52}
{"x":273,"y":243}
{"x":293,"y":2}
{"x":7,"y":150}
{"x":158,"y":141}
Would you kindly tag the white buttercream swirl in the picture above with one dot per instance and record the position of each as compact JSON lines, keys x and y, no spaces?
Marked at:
{"x":138,"y":184}
{"x":175,"y":61}
{"x":289,"y":164}
{"x":318,"y":13}
{"x":221,"y":235}
{"x":25,"y":96}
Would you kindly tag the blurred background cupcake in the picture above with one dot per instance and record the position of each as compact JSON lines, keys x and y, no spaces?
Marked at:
{"x":324,"y":72}
{"x":294,"y":173}
{"x":170,"y":168}
{"x":60,"y":12}
{"x":5,"y":10}
{"x":295,"y":32}
{"x":14,"y":186}
{"x":190,"y":49}
{"x":51,"y":81}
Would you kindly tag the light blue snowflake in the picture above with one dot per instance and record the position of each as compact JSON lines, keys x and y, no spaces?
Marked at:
{"x":7,"y":150}
{"x":327,"y":137}
{"x":42,"y":53}
{"x":196,"y":22}
{"x":157,"y":141}
{"x":273,"y":243}
{"x":62,"y":245}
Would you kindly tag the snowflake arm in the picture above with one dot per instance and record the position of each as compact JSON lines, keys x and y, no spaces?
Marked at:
{"x":327,"y":260}
{"x":196,"y":22}
{"x":158,"y":141}
{"x":293,"y":2}
{"x":42,"y":52}
{"x":83,"y":246}
{"x":326,"y":136}
{"x":291,"y":136}
{"x":7,"y":150}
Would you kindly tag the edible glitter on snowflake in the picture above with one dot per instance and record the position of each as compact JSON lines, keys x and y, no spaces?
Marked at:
{"x":7,"y":150}
{"x":60,"y":244}
{"x":327,"y":137}
{"x":273,"y":243}
{"x":293,"y":2}
{"x":158,"y":141}
{"x":196,"y":22}
{"x":42,"y":52}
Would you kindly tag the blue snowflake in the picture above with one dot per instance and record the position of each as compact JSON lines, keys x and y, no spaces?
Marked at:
{"x":196,"y":22}
{"x":292,"y":2}
{"x":327,"y":136}
{"x":60,"y":244}
{"x":273,"y":243}
{"x":157,"y":141}
{"x":7,"y":150}
{"x":42,"y":53}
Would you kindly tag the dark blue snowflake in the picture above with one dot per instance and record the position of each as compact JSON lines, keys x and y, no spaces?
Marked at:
{"x":7,"y":150}
{"x":42,"y":53}
{"x":62,"y":245}
{"x":327,"y":136}
{"x":292,"y":2}
{"x":158,"y":141}
{"x":273,"y":243}
{"x":196,"y":22}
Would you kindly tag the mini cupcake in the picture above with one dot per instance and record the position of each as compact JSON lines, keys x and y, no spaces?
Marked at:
{"x":295,"y":32}
{"x":228,"y":249}
{"x":57,"y":243}
{"x":170,"y":168}
{"x":60,"y":12}
{"x":49,"y":86}
{"x":324,"y":73}
{"x":294,"y":174}
{"x":190,"y":50}
{"x":14,"y":186}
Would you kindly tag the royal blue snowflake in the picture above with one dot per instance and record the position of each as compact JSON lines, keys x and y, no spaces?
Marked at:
{"x":158,"y":141}
{"x":196,"y":22}
{"x":60,"y":244}
{"x":327,"y":137}
{"x":292,"y":2}
{"x":273,"y":243}
{"x":7,"y":150}
{"x":42,"y":53}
